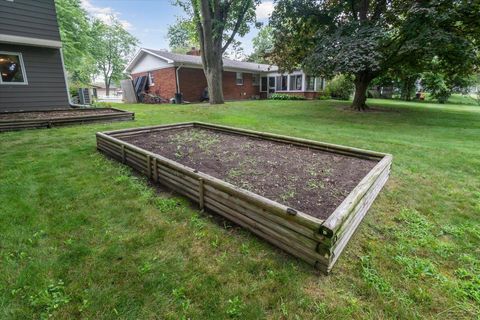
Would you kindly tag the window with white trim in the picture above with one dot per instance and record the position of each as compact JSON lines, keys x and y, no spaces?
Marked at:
{"x":296,"y":82}
{"x":310,"y":83}
{"x":239,"y":79}
{"x":282,"y":82}
{"x":12,"y":68}
{"x":255,"y":79}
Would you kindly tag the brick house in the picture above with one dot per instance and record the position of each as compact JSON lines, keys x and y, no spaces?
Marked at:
{"x":169,"y":73}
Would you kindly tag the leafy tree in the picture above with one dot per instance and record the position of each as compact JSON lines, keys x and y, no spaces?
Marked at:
{"x":182,"y":36}
{"x":340,"y":87}
{"x":235,"y":51}
{"x":218,"y":22}
{"x":262,"y":46}
{"x":112,"y":49}
{"x":436,"y":85}
{"x":367,"y":39}
{"x":75,"y":31}
{"x":441,"y":85}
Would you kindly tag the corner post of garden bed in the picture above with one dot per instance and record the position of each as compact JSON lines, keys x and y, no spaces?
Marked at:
{"x":338,"y":217}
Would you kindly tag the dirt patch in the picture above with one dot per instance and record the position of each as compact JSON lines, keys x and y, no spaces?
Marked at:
{"x":39,"y":115}
{"x":312,"y":181}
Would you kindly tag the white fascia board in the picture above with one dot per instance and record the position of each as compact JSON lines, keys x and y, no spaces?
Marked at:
{"x":137,"y":57}
{"x":276,"y":74}
{"x":245,"y":70}
{"x":6,"y":38}
{"x":132,"y":62}
{"x":158,"y":56}
{"x":199,"y":66}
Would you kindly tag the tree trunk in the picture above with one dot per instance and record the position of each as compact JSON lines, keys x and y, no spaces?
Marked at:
{"x":107,"y":88}
{"x":362,"y":81}
{"x":408,"y":85}
{"x":211,"y":51}
{"x":214,"y":75}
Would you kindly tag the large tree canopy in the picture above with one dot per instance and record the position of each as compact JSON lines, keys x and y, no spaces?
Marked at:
{"x":182,"y":35}
{"x":91,"y":47}
{"x":262,"y":46}
{"x":217,"y":23}
{"x":368,"y":38}
{"x":113,"y":47}
{"x":75,"y":31}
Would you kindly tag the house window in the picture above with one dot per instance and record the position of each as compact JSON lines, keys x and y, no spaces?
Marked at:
{"x":271,"y":83}
{"x":239,"y":79}
{"x":282,"y":83}
{"x":151,"y":79}
{"x":296,"y":82}
{"x":12,"y":68}
{"x":264,"y":84}
{"x":310,"y":83}
{"x":256,"y":79}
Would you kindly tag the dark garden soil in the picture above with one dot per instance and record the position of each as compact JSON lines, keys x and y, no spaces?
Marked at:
{"x":60,"y":114}
{"x":311,"y":181}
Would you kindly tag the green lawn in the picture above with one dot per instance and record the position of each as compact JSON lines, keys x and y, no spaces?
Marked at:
{"x":82,"y":237}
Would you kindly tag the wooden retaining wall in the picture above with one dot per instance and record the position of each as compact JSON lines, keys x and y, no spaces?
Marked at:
{"x":21,"y":124}
{"x":318,"y":242}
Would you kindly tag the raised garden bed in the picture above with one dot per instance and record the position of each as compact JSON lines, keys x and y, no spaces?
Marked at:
{"x":303,"y":196}
{"x":47,"y":119}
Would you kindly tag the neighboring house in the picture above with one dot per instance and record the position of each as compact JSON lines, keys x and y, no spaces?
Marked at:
{"x":31,"y":66}
{"x":169,"y":73}
{"x":101,"y":91}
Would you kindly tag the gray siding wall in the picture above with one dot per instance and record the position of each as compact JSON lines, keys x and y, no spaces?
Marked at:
{"x":29,"y":18}
{"x":46,"y":87}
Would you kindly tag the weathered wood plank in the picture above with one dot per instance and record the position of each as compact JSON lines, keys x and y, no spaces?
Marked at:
{"x":335,"y":220}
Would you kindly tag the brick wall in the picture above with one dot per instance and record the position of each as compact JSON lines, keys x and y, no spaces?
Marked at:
{"x":164,"y":82}
{"x":232,"y":91}
{"x":193,"y":83}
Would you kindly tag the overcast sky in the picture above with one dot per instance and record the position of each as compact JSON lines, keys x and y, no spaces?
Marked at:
{"x":148,"y":20}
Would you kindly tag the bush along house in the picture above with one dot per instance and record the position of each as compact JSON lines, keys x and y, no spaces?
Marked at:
{"x":164,"y":74}
{"x":31,"y":64}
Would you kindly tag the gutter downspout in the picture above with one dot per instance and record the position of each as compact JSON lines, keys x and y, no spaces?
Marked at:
{"x":71,"y":104}
{"x":176,"y":77}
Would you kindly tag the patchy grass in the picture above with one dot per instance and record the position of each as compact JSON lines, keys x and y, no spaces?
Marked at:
{"x":82,"y":237}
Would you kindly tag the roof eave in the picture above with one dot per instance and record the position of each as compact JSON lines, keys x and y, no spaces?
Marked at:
{"x":139,"y":54}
